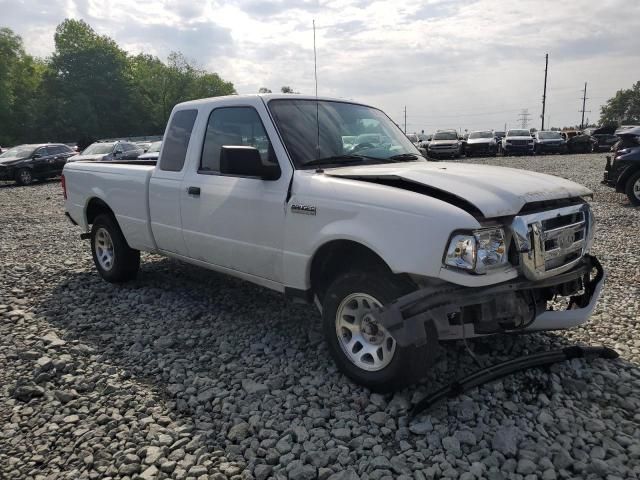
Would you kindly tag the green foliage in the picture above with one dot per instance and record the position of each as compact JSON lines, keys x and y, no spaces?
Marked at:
{"x":20,"y":76}
{"x":623,"y":108}
{"x":91,"y":88}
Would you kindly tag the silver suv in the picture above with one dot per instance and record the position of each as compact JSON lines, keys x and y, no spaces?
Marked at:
{"x":445,"y":144}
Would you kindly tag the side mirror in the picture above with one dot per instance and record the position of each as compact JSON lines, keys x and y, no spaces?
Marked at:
{"x":246,"y":161}
{"x":36,"y":156}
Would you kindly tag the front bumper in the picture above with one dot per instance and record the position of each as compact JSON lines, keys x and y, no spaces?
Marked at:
{"x":552,"y":147}
{"x":7,"y":173}
{"x":452,"y":312}
{"x":481,"y":148}
{"x":510,"y":148}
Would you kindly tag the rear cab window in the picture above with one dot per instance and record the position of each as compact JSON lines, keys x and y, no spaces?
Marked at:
{"x":176,"y":140}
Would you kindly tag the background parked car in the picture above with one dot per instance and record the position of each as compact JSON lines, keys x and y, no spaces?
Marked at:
{"x":26,"y":163}
{"x":445,"y":143}
{"x":144,"y":146}
{"x":549,"y":142}
{"x":604,"y":138}
{"x":517,"y":141}
{"x":578,"y":142}
{"x":482,"y":142}
{"x":623,"y":171}
{"x":415,"y":139}
{"x":107,"y":151}
{"x":152,"y":153}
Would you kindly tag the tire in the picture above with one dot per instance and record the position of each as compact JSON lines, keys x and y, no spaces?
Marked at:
{"x":399,"y":366}
{"x":115,"y":261}
{"x":24,"y":176}
{"x":632,"y":189}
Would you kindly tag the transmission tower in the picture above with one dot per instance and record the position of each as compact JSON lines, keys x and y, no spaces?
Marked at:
{"x":523,"y":117}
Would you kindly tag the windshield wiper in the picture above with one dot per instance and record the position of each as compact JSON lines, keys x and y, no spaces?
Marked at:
{"x":406,"y":157}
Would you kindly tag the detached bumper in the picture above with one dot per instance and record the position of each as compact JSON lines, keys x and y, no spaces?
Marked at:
{"x":452,"y":312}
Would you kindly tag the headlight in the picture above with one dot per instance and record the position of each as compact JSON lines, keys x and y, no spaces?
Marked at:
{"x":477,"y":251}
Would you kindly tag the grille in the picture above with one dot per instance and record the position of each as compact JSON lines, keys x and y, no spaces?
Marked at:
{"x":552,"y":242}
{"x":520,"y":142}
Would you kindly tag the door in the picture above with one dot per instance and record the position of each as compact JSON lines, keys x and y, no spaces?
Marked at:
{"x":235,"y":222}
{"x":166,"y":183}
{"x":42,"y":162}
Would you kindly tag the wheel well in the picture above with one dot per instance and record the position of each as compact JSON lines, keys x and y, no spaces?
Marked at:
{"x":624,"y":178}
{"x":97,"y":207}
{"x":339,"y":256}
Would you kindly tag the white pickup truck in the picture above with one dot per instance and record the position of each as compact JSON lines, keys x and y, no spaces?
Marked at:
{"x":397,"y":253}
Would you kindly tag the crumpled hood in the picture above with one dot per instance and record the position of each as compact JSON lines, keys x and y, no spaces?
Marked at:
{"x":495,"y":191}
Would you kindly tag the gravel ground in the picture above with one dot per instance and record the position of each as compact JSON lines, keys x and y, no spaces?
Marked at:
{"x":185,"y":373}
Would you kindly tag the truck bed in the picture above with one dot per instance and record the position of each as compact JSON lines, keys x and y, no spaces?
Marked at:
{"x":124,"y":186}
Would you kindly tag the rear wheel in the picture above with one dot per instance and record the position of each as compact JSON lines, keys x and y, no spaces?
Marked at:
{"x":24,"y":176}
{"x":115,"y":261}
{"x":633,"y":189}
{"x":362,"y":348}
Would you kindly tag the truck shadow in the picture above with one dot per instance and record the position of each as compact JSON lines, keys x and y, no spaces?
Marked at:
{"x":182,"y":329}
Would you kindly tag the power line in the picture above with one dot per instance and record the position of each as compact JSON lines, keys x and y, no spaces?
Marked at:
{"x":405,"y":119}
{"x":584,"y":101}
{"x":544,"y":92}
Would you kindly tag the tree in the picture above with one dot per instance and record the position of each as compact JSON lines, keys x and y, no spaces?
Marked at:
{"x":623,"y":108}
{"x":264,"y":90}
{"x":90,"y":88}
{"x":287,"y":90}
{"x":20,"y":77}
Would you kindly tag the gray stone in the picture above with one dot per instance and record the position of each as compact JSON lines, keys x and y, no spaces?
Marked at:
{"x":262,"y":472}
{"x":238,"y":432}
{"x":505,"y":440}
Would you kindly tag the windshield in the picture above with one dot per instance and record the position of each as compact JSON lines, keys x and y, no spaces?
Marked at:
{"x":155,"y":147}
{"x":518,"y":133}
{"x":371,"y":134}
{"x":446,"y":136}
{"x":547,"y":135}
{"x":98,"y":149}
{"x":18,"y":152}
{"x":486,"y":134}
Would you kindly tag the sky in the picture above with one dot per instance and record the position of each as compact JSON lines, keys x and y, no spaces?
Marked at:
{"x":464,"y":64}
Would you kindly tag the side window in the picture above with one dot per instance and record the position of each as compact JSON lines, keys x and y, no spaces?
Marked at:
{"x":117,"y":148}
{"x":42,"y":151}
{"x":177,"y":140}
{"x":233,"y":126}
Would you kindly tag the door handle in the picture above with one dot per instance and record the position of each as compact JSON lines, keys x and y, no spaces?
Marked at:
{"x":194,"y":191}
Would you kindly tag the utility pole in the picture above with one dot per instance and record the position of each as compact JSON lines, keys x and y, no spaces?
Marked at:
{"x":584,"y":101}
{"x":523,"y":117}
{"x":544,"y":92}
{"x":405,"y":119}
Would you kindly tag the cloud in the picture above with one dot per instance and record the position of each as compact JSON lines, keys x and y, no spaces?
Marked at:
{"x":467,"y":63}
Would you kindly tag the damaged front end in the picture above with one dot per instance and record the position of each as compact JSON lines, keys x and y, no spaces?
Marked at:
{"x":456,"y":312}
{"x":549,"y":249}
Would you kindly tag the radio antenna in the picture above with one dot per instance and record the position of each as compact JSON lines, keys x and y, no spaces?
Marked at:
{"x":315,"y":74}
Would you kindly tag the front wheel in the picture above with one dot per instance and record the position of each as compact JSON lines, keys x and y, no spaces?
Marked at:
{"x":362,"y":348}
{"x":632,"y":189}
{"x":24,"y":176}
{"x":115,"y":261}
